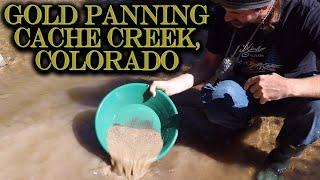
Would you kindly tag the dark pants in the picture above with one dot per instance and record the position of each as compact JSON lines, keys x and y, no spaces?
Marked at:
{"x":229,"y":105}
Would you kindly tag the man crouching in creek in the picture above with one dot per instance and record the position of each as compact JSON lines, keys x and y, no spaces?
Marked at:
{"x":264,"y":54}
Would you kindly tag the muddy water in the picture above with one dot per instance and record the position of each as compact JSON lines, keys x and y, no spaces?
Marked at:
{"x":133,"y":150}
{"x":46,"y":131}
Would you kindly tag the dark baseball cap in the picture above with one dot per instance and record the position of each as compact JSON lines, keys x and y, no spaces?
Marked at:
{"x":243,"y":4}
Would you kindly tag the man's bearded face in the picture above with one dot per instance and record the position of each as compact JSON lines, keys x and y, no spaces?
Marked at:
{"x":242,"y":18}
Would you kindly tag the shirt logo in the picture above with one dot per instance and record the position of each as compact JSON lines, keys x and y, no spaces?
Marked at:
{"x":251,"y":51}
{"x":255,"y":59}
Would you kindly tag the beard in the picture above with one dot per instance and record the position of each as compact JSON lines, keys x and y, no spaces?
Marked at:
{"x":238,"y":24}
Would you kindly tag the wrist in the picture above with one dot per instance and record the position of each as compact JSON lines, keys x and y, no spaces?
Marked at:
{"x":292,"y":89}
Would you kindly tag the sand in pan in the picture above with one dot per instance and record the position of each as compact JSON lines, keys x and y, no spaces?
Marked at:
{"x":132,"y":150}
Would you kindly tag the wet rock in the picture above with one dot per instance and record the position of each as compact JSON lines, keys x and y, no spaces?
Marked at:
{"x":5,"y":60}
{"x":2,"y":61}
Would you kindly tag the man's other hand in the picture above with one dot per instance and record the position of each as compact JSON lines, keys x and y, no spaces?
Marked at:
{"x":268,"y":87}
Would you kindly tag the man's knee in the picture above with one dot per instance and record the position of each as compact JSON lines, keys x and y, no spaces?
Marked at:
{"x":313,"y":115}
{"x":228,"y":87}
{"x":226,"y":104}
{"x":303,"y":123}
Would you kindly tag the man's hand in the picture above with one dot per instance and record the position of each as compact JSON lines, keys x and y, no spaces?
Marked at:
{"x":268,"y":87}
{"x":165,"y":86}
